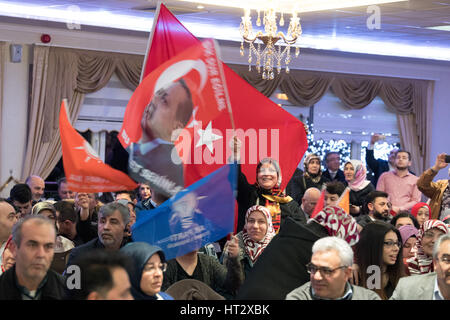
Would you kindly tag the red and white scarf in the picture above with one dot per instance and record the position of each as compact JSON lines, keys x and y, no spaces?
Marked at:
{"x":338,"y":224}
{"x":254,"y":248}
{"x":422,"y":263}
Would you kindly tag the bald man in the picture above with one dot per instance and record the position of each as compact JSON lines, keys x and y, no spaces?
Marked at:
{"x":309,"y":201}
{"x":37,"y":186}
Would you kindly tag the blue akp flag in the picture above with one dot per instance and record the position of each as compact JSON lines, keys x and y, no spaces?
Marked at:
{"x":200,"y":214}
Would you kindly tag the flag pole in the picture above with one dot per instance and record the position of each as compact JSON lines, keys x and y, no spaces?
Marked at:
{"x":150,"y":39}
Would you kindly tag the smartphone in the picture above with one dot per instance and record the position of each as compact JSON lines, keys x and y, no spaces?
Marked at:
{"x":447,"y":158}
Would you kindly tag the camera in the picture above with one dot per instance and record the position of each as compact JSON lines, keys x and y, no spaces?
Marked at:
{"x":447,"y":158}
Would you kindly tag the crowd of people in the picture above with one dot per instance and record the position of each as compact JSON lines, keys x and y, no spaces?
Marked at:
{"x":394,"y":242}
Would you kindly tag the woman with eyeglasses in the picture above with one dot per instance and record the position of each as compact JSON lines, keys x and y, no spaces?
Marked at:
{"x":147,"y":274}
{"x":422,"y":261}
{"x":265,"y":192}
{"x":378,"y":256}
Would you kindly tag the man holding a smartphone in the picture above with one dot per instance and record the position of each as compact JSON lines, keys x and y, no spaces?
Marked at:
{"x":439,"y":191}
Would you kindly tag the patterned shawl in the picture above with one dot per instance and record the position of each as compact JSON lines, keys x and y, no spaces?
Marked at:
{"x":338,"y":224}
{"x":359,"y":181}
{"x":421,"y":263}
{"x":254,"y":248}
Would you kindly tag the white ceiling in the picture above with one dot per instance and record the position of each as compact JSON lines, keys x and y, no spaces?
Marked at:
{"x":403,"y":29}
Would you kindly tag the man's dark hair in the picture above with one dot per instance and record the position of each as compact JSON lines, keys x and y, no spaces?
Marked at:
{"x":21,"y":193}
{"x":371,"y":198}
{"x":404,"y":151}
{"x":335,"y":187}
{"x":60,"y":181}
{"x":66,"y":211}
{"x":405,"y":214}
{"x":185,"y":107}
{"x":375,"y":194}
{"x":96,"y":268}
{"x":132,"y":194}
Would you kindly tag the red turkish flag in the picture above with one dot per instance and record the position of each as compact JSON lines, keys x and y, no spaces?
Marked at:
{"x":265,"y":129}
{"x":172,"y":121}
{"x":85,"y":171}
{"x":319,"y":205}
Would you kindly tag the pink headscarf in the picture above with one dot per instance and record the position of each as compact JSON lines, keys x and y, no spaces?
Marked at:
{"x":255,"y":248}
{"x":338,"y":224}
{"x":359,"y":181}
{"x":421,"y":263}
{"x":417,"y":206}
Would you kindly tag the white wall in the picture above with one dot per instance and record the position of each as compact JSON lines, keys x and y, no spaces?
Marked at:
{"x":15,"y":101}
{"x":13,"y":129}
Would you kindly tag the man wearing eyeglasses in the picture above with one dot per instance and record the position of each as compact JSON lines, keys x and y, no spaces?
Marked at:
{"x":330,"y":271}
{"x":429,"y":286}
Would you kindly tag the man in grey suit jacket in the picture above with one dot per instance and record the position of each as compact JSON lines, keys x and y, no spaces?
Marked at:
{"x":430,"y":286}
{"x":330,"y":271}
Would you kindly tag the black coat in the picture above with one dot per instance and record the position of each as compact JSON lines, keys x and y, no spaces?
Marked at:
{"x":338,"y":177}
{"x":377,"y":166}
{"x":299,"y":184}
{"x":88,"y":246}
{"x":358,"y":198}
{"x":247,"y":196}
{"x":53,"y":289}
{"x":282,"y":266}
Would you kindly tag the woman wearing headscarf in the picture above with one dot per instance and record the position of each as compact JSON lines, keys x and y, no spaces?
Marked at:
{"x":146,"y":277}
{"x":379,"y":246}
{"x":429,"y":232}
{"x":356,"y":177}
{"x":282,"y":266}
{"x":311,"y":178}
{"x":244,"y":249}
{"x":409,"y":238}
{"x":421,"y":211}
{"x":265,"y":192}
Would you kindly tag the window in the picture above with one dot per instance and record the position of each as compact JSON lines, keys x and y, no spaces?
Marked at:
{"x":335,"y":127}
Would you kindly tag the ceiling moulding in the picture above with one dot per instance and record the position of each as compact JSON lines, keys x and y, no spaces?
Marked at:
{"x":287,"y":6}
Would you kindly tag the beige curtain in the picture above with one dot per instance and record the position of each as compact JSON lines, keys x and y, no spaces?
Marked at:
{"x":60,"y":73}
{"x":411,"y":100}
{"x":2,"y":73}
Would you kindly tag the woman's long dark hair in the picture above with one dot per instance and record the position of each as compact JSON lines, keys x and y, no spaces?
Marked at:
{"x":369,"y":252}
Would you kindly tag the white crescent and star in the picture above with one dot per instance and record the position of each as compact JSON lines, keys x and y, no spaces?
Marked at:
{"x":207,"y":137}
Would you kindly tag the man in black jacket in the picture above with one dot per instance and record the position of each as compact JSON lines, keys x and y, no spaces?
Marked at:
{"x":379,"y":166}
{"x":112,"y":226}
{"x":332,"y":163}
{"x":33,"y":243}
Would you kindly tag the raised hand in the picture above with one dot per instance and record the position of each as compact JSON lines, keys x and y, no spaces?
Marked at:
{"x":440,"y":162}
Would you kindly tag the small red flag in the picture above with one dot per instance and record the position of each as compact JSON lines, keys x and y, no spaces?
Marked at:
{"x":85,"y":171}
{"x":319,"y":205}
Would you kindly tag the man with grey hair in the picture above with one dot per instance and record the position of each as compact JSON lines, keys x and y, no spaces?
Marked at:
{"x":429,"y":286}
{"x":330,"y":271}
{"x":33,"y":246}
{"x":37,"y":186}
{"x":111,"y":229}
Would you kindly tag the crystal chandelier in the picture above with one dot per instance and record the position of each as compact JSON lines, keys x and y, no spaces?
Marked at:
{"x":269,"y":47}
